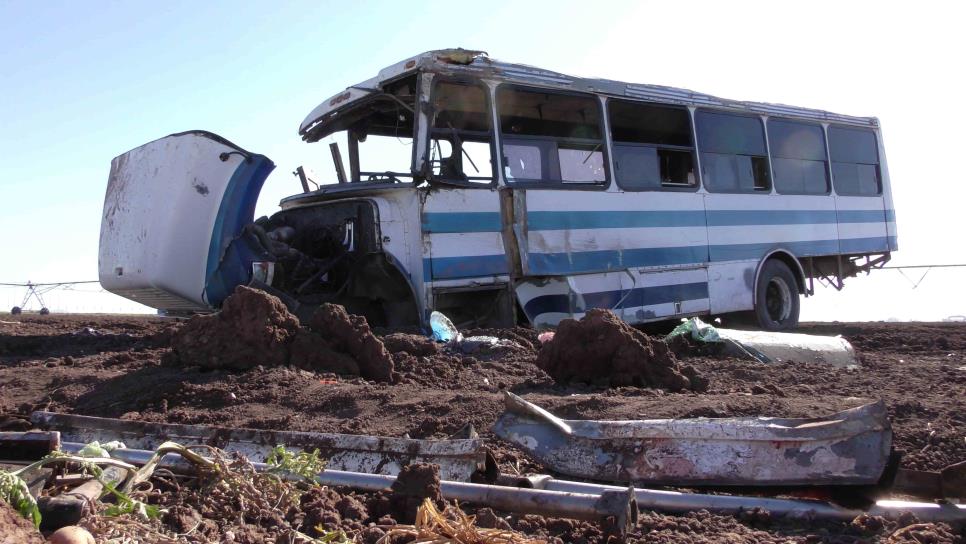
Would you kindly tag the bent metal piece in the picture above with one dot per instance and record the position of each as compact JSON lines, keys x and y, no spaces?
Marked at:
{"x":457,"y":459}
{"x":847,"y":448}
{"x":618,"y":505}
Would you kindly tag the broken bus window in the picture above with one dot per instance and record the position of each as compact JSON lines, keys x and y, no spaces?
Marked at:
{"x":551,"y":137}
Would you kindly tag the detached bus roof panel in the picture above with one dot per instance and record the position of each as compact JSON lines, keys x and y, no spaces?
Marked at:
{"x":477,"y":64}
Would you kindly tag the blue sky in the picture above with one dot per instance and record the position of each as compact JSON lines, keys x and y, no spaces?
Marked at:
{"x":84,"y":82}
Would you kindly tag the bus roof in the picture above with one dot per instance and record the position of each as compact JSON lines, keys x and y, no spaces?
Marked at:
{"x":477,"y":64}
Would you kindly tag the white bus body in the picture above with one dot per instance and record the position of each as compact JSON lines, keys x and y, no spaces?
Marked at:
{"x":651,"y":201}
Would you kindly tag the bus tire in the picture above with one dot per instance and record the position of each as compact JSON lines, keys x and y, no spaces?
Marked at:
{"x":776,"y":297}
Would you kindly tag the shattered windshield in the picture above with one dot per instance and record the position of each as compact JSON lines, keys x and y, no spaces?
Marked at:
{"x":374,"y":139}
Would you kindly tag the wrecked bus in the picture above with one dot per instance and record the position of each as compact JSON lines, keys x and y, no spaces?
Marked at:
{"x":518,"y":194}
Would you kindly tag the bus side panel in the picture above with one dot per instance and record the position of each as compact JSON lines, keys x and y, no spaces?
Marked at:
{"x":579,"y":232}
{"x":641,"y":254}
{"x":731,"y":286}
{"x":750,"y":226}
{"x":862,"y":224}
{"x":642,"y":296}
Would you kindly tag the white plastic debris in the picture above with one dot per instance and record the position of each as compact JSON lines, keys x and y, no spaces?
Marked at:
{"x":443,"y":328}
{"x":770,"y":347}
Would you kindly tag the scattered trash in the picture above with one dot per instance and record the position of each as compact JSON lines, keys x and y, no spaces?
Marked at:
{"x":847,"y":448}
{"x":445,"y":331}
{"x":443,"y":328}
{"x":768,"y":347}
{"x":602,"y":349}
{"x":545,"y":337}
{"x":459,"y":460}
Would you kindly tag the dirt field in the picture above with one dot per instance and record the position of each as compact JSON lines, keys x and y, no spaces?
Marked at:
{"x":121,"y":367}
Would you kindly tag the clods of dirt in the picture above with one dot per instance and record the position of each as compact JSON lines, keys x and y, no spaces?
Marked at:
{"x":255,"y":328}
{"x":603,"y":350}
{"x":351,"y":334}
{"x":415,"y":482}
{"x":15,"y":529}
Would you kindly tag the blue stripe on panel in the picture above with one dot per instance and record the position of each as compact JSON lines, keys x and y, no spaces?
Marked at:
{"x":737,"y":252}
{"x":602,"y":260}
{"x":464,"y":267}
{"x":544,"y":220}
{"x":733,"y":218}
{"x":862,"y":216}
{"x":641,"y":296}
{"x":442,"y":222}
{"x":865,"y":245}
{"x":455,"y":222}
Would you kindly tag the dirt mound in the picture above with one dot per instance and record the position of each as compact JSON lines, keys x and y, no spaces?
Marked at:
{"x":351,"y":334}
{"x":415,"y":482}
{"x":254,"y":328}
{"x":602,"y":349}
{"x":15,"y":529}
{"x":413,"y":344}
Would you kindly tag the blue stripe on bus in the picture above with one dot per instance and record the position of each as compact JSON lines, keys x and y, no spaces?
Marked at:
{"x":863,"y":216}
{"x":457,"y":222}
{"x":602,"y":260}
{"x":464,"y":267}
{"x":867,"y":245}
{"x":736,"y":218}
{"x":583,"y":262}
{"x":641,"y":296}
{"x":738,"y":252}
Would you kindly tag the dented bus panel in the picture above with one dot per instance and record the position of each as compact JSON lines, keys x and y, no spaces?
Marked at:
{"x":523,"y":193}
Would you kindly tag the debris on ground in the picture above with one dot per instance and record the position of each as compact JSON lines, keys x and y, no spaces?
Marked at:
{"x":846,"y":448}
{"x":916,"y":368}
{"x":761,"y":346}
{"x":602,"y":349}
{"x":452,"y":525}
{"x":255,"y":328}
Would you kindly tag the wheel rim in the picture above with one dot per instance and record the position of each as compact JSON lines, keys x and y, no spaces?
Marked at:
{"x":778,"y":300}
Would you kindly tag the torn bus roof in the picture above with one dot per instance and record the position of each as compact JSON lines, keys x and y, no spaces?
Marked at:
{"x":467,"y":63}
{"x":851,"y":447}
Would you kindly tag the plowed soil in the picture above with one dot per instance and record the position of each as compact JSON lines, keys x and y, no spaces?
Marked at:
{"x":111,"y":366}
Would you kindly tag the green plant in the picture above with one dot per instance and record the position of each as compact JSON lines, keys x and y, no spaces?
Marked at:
{"x":304,"y":464}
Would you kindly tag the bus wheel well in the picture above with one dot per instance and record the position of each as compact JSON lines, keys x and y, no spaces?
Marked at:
{"x":791,"y":262}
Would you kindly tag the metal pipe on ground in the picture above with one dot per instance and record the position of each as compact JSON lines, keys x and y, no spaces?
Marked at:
{"x":676,"y":502}
{"x":614,"y":503}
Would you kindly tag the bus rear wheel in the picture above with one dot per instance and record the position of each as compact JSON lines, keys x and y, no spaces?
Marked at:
{"x":776,"y":297}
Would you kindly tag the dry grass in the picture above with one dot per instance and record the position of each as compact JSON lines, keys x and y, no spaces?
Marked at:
{"x":452,"y":526}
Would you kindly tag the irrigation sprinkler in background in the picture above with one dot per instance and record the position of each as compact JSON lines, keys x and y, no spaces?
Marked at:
{"x":36,"y":291}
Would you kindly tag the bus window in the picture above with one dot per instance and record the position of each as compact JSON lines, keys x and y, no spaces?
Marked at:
{"x":461,"y":135}
{"x":550,"y":137}
{"x":798,"y":157}
{"x":733,"y":156}
{"x":652,"y":146}
{"x":855,"y":161}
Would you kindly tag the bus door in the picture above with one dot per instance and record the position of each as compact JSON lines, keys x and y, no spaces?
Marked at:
{"x":464,"y":259}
